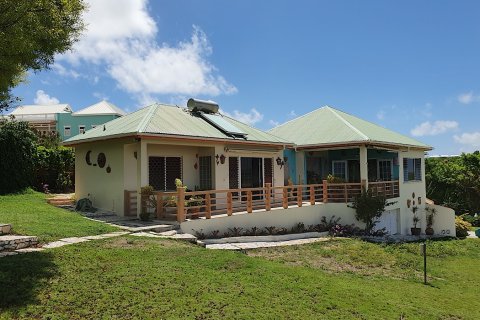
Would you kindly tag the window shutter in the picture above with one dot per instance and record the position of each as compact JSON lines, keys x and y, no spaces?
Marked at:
{"x":405,"y":169}
{"x":268,"y":170}
{"x":205,"y":172}
{"x":233,"y":172}
{"x":418,"y":169}
{"x":156,"y":172}
{"x":173,"y":170}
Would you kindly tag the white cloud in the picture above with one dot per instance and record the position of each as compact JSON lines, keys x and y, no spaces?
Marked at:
{"x":468,"y":97}
{"x":471,"y":139}
{"x":273,"y":123}
{"x":120,"y":37}
{"x":292,"y":114}
{"x":250,"y":118}
{"x":435,"y":128}
{"x":44,"y":99}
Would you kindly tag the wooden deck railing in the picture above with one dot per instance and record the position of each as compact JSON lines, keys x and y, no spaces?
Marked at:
{"x":181,"y":205}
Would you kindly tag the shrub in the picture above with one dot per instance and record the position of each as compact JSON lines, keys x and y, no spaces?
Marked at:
{"x":368,"y":208}
{"x":462,"y":227}
{"x":17,"y":145}
{"x":327,"y":225}
{"x":54,"y":167}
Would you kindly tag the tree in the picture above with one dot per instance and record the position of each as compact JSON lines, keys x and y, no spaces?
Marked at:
{"x":18,"y":145}
{"x":454,"y":182}
{"x":32,"y":32}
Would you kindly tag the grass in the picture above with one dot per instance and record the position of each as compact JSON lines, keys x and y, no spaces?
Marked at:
{"x":30,"y":214}
{"x":140,"y":278}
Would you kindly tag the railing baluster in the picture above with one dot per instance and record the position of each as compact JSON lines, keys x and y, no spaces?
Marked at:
{"x":208,"y":204}
{"x":325,"y":191}
{"x":249,"y":201}
{"x":299,"y":196}
{"x":159,"y":205}
{"x":180,"y":204}
{"x":267,"y":196}
{"x":285,"y":198}
{"x":312,"y":195}
{"x":229,"y":203}
{"x":345,"y":193}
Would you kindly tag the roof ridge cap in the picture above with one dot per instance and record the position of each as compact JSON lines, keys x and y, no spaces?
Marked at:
{"x":351,"y":126}
{"x":294,"y":119}
{"x":147,"y":118}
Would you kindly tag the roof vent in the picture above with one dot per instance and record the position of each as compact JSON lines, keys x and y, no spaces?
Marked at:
{"x":201,"y":105}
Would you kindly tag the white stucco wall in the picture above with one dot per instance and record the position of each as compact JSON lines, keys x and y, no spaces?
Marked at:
{"x":443,"y":221}
{"x":104,"y":189}
{"x":278,"y":217}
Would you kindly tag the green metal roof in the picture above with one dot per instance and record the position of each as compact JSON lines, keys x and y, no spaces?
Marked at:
{"x":329,"y":126}
{"x":159,"y":119}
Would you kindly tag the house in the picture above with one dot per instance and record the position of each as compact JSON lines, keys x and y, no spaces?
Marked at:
{"x":61,"y":119}
{"x":71,"y":124}
{"x":239,"y":176}
{"x":43,"y":118}
{"x":160,"y":143}
{"x":334,"y":145}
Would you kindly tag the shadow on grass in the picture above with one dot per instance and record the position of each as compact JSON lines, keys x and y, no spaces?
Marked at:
{"x":22,"y":276}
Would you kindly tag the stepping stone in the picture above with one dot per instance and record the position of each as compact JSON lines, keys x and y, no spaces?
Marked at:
{"x":56,"y":244}
{"x":8,"y":253}
{"x":74,"y":240}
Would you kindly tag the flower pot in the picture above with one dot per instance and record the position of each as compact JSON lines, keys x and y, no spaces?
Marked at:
{"x":429,"y":231}
{"x":415,"y":231}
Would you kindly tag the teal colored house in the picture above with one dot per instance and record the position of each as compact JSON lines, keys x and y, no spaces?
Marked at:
{"x":72,"y":124}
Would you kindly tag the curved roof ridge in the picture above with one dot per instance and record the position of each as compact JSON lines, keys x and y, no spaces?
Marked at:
{"x":351,"y":126}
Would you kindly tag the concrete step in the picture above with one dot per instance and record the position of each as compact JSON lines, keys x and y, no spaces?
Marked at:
{"x":146,"y":228}
{"x":5,"y":228}
{"x":60,"y":202}
{"x":14,"y":242}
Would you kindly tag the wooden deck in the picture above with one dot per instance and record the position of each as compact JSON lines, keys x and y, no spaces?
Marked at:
{"x":181,"y":205}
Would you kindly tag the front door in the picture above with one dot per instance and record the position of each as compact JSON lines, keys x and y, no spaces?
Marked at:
{"x":251,"y":172}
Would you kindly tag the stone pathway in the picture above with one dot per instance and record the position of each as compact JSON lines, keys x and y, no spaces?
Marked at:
{"x":256,"y":245}
{"x":471,"y":234}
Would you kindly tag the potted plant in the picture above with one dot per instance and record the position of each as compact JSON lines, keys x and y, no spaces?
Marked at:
{"x":415,"y":231}
{"x":149,"y":203}
{"x":431,"y":212}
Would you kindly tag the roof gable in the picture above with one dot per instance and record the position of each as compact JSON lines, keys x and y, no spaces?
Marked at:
{"x":101,"y":108}
{"x":326,"y":126}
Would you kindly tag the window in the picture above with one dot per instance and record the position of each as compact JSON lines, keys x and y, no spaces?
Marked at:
{"x":412,"y":169}
{"x":162,"y":172}
{"x":385,"y":170}
{"x":205,"y":172}
{"x":81,"y":129}
{"x":67,"y":131}
{"x":339,"y":169}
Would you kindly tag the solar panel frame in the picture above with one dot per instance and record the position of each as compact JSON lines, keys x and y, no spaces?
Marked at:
{"x":222,"y":124}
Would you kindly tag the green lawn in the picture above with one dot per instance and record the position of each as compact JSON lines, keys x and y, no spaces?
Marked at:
{"x":131,"y":277}
{"x":30,"y":214}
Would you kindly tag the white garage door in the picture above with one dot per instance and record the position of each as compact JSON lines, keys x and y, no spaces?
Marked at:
{"x":389,"y":221}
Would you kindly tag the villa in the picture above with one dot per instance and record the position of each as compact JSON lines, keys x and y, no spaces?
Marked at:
{"x":237,"y":175}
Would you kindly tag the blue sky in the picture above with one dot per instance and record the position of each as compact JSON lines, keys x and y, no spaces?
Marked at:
{"x":410,"y":66}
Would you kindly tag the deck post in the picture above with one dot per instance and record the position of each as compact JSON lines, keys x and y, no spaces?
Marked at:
{"x":208,"y":206}
{"x":229,"y":203}
{"x":249,"y":201}
{"x":268,"y":188}
{"x":159,"y":204}
{"x":180,"y":204}
{"x":325,"y":191}
{"x":126,"y":202}
{"x":312,"y":195}
{"x":285,"y":197}
{"x":364,"y":184}
{"x":299,"y":196}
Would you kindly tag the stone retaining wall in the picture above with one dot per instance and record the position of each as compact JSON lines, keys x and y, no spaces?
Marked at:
{"x":12,"y":242}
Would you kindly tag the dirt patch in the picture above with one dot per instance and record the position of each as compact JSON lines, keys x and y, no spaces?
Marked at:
{"x":136,"y":242}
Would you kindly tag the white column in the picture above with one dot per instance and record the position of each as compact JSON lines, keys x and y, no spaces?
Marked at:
{"x":142,"y":172}
{"x":364,"y":165}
